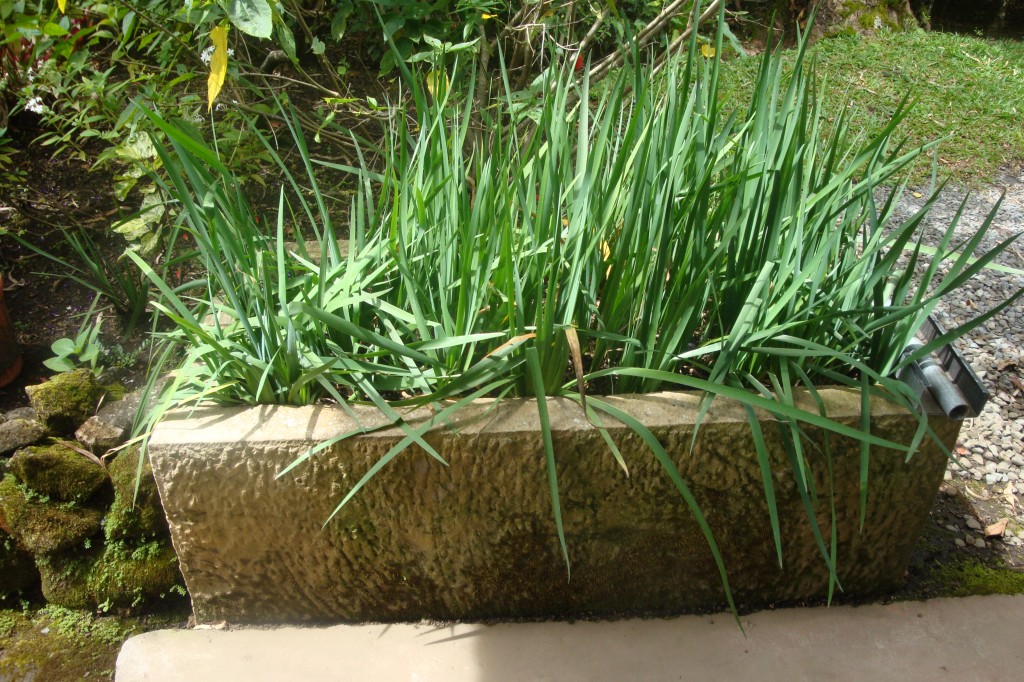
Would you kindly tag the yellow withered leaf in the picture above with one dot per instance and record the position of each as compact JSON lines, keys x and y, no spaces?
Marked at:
{"x":63,"y":5}
{"x":437,"y":82}
{"x":218,"y":63}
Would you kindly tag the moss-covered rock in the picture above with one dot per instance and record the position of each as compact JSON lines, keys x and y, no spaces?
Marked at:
{"x":58,"y":472}
{"x":43,"y":526}
{"x":18,"y":572}
{"x":115,"y":576}
{"x":131,"y":578}
{"x":114,"y":391}
{"x":66,"y":400}
{"x":134,"y":517}
{"x":65,"y":578}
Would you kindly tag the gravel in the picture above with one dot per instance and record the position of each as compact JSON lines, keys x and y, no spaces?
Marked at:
{"x":991,"y":448}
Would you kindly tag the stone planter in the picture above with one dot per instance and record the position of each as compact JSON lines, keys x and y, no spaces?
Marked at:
{"x":476,"y":539}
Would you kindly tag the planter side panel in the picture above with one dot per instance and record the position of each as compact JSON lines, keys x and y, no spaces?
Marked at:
{"x":475,"y":539}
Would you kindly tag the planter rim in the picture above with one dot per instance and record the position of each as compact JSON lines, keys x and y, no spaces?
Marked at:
{"x":283,"y":423}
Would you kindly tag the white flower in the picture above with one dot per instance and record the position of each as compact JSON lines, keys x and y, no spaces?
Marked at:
{"x":36,"y":106}
{"x":207,"y":54}
{"x":878,"y":23}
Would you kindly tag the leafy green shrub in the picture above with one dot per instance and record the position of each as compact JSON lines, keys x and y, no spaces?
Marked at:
{"x":630,"y":240}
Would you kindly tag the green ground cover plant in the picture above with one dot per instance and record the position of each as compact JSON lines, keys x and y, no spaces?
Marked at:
{"x":639,"y":238}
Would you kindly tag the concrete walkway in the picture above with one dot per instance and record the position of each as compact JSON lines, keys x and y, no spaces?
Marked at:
{"x":967,"y":640}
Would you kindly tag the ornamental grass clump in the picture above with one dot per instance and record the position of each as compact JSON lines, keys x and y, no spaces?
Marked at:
{"x":636,"y":237}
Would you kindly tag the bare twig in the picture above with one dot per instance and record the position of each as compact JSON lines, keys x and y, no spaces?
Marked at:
{"x":681,"y":38}
{"x":589,"y":37}
{"x":324,"y":64}
{"x":618,"y":57}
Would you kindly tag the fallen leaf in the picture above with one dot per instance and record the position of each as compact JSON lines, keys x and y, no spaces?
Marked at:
{"x":1009,"y":496}
{"x":983,"y":496}
{"x":997,"y":529}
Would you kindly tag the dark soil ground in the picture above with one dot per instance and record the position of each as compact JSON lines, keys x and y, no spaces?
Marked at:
{"x":38,"y":198}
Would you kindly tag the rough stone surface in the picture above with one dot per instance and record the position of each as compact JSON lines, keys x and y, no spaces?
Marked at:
{"x":58,"y":472}
{"x":113,"y":576}
{"x":99,"y":436}
{"x":66,"y":400}
{"x":17,"y":571}
{"x":134,"y":517}
{"x":476,"y":539}
{"x":121,"y":413}
{"x":21,"y":413}
{"x":17,"y":433}
{"x":43,"y":527}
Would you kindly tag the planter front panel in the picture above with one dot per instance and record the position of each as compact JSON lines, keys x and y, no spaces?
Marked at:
{"x":476,"y":539}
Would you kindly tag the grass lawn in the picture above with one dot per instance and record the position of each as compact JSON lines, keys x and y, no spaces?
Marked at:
{"x":968,"y":90}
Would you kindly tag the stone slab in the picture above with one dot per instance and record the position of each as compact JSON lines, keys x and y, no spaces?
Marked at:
{"x":976,"y":639}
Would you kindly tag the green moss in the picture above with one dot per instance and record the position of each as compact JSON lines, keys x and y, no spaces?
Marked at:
{"x":65,"y":645}
{"x":66,"y":400}
{"x":65,"y":579}
{"x":115,"y":576}
{"x":130,"y":578}
{"x":115,"y":391}
{"x":11,"y":621}
{"x":134,"y":517}
{"x":843,"y":31}
{"x":972,"y":578}
{"x":61,"y":645}
{"x":42,"y":526}
{"x":77,"y":625}
{"x":59,"y":472}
